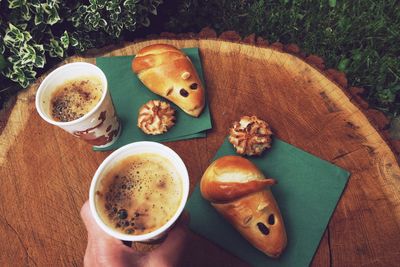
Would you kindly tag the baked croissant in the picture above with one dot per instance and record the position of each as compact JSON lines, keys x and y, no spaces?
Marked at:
{"x":240,"y":192}
{"x":168,"y":72}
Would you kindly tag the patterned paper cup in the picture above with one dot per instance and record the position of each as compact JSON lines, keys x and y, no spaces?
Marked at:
{"x":119,"y":155}
{"x":100,"y":126}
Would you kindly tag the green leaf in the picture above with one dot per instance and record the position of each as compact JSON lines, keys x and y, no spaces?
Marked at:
{"x":102,"y":23}
{"x":39,"y":18}
{"x":40,"y":61}
{"x":92,"y":8}
{"x":101,"y":3}
{"x":153,"y":10}
{"x":343,"y":64}
{"x":12,"y":27}
{"x":35,"y":4}
{"x":39,"y":15}
{"x":46,"y":8}
{"x":14,"y":74}
{"x":332,"y":3}
{"x":25,"y":13}
{"x":114,"y":17}
{"x":8,"y":72}
{"x":95,"y":19}
{"x":356,"y":55}
{"x":129,"y":3}
{"x":74,"y":41}
{"x":53,"y":17}
{"x":39,"y":48}
{"x":23,"y":81}
{"x":55,"y":49}
{"x":13,"y":36}
{"x":14,"y":59}
{"x":87,"y":20}
{"x":40,"y":56}
{"x":117,"y":10}
{"x":111,"y":5}
{"x":30,"y":74}
{"x":82,"y":9}
{"x":28,"y":55}
{"x":53,"y":3}
{"x":22,"y":26}
{"x":64,"y":39}
{"x":12,"y":4}
{"x":386,"y":96}
{"x":114,"y":29}
{"x":59,"y":51}
{"x":27,"y":36}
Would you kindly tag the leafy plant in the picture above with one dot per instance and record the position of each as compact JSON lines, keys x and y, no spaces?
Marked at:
{"x":37,"y":33}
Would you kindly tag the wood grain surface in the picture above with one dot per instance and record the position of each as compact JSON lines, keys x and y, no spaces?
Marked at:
{"x":45,"y":172}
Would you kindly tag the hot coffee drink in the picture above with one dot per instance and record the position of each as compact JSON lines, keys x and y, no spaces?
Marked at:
{"x":139,"y":194}
{"x":73,"y":99}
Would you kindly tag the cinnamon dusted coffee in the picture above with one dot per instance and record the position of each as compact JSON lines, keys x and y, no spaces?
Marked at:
{"x":139,"y":194}
{"x":74,"y":98}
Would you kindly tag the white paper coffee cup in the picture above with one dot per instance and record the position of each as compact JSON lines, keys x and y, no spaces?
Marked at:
{"x":135,"y":149}
{"x":100,"y":126}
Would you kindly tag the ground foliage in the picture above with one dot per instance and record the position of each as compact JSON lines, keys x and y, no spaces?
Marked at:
{"x":359,"y":37}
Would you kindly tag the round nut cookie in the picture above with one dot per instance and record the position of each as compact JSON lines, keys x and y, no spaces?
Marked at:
{"x":250,"y":135}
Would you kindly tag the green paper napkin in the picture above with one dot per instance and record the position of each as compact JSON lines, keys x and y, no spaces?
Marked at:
{"x":307,"y":192}
{"x":129,"y":94}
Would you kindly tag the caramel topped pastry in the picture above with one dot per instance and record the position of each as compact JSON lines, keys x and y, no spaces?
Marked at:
{"x":250,"y":135}
{"x":156,"y":117}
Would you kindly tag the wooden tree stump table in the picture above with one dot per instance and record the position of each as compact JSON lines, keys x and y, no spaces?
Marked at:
{"x":45,"y":172}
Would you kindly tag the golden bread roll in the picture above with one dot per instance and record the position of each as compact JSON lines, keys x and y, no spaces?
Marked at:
{"x":168,"y":72}
{"x":240,"y":192}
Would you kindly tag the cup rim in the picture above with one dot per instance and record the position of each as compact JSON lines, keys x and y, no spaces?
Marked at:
{"x":159,"y":231}
{"x":58,"y":70}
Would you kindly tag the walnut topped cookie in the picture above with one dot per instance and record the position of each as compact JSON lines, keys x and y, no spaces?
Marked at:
{"x":156,"y":117}
{"x":250,"y":135}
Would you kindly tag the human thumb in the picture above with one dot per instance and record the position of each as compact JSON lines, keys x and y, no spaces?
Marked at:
{"x":102,"y":249}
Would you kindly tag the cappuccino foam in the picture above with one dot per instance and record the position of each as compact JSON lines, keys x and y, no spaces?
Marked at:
{"x":139,"y":194}
{"x":73,"y":99}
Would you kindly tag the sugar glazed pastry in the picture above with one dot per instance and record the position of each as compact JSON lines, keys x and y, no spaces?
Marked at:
{"x":168,"y":72}
{"x":156,"y":117}
{"x":241,"y":194}
{"x":250,"y":135}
